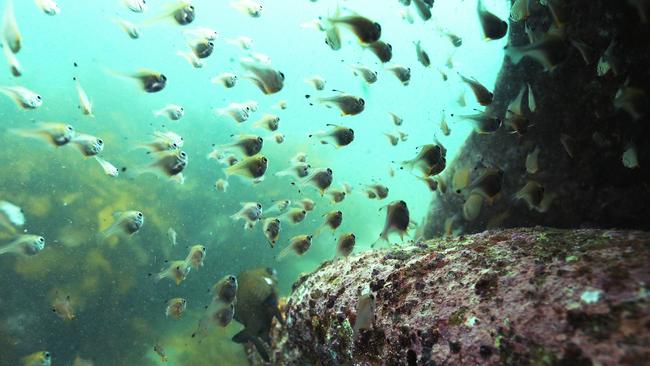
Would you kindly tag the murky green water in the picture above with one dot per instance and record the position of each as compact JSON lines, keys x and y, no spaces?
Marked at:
{"x":66,"y":198}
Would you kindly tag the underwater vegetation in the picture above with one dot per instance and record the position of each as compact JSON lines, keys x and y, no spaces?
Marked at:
{"x":172,"y":167}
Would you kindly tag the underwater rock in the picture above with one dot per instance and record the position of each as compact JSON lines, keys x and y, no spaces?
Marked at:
{"x":506,"y":297}
{"x":580,"y":130}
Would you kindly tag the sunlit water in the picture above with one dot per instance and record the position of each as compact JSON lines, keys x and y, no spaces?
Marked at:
{"x":68,"y":199}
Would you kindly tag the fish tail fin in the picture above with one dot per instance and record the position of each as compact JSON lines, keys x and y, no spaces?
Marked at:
{"x":243,"y":337}
{"x":283,"y":253}
{"x":258,"y":83}
{"x":514,"y":54}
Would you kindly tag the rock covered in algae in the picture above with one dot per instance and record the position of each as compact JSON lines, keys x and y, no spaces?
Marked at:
{"x":507,"y":297}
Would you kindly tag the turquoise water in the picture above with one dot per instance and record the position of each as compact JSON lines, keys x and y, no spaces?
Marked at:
{"x":66,"y":198}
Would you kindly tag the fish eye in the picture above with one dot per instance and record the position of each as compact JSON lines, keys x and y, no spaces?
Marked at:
{"x":389,"y":46}
{"x":210,"y":44}
{"x":304,"y":212}
{"x":41,"y":239}
{"x":69,"y":128}
{"x":361,"y":101}
{"x":100,"y":142}
{"x":352,"y":235}
{"x":46,"y":355}
{"x":352,"y":131}
{"x":402,"y":203}
{"x":183,"y":154}
{"x":264,"y":159}
{"x":329,"y":171}
{"x":259,"y":139}
{"x":259,"y":205}
{"x":378,"y":27}
{"x":282,"y":75}
{"x":139,"y":214}
{"x":163,"y":77}
{"x":38,"y":97}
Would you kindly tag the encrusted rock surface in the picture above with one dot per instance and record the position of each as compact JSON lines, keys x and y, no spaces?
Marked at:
{"x":532,"y":296}
{"x":593,"y":188}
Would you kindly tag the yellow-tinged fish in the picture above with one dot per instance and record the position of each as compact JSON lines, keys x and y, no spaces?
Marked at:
{"x":333,"y":220}
{"x":14,"y":65}
{"x":221,"y":185}
{"x":267,"y":79}
{"x":126,"y":223}
{"x":160,"y":351}
{"x":520,"y":10}
{"x":421,"y":54}
{"x":515,"y":119}
{"x":317,"y":81}
{"x":226,"y":289}
{"x":42,"y":358}
{"x":172,"y":111}
{"x":349,"y":105}
{"x":337,"y":195}
{"x":252,"y":167}
{"x":131,"y":29}
{"x":170,"y":163}
{"x":85,"y":104}
{"x":488,"y":184}
{"x":397,"y":120}
{"x":164,"y":141}
{"x":251,"y":8}
{"x":182,"y":12}
{"x":23,"y":97}
{"x":632,"y":100}
{"x":483,"y":122}
{"x":298,"y":170}
{"x":280,"y":206}
{"x":340,"y":136}
{"x":431,"y":160}
{"x":176,"y":307}
{"x":366,"y":73}
{"x":483,"y":95}
{"x":398,"y":220}
{"x":150,"y":81}
{"x":57,"y":134}
{"x":345,"y":245}
{"x":88,"y":145}
{"x":365,"y":312}
{"x":535,"y":196}
{"x":136,"y":6}
{"x":532,"y":161}
{"x":250,"y":145}
{"x":10,"y":32}
{"x":278,"y":137}
{"x":78,"y":361}
{"x":251,"y":213}
{"x":378,"y":191}
{"x":268,"y":121}
{"x":196,"y":256}
{"x":402,"y":73}
{"x":299,"y":244}
{"x":366,"y":30}
{"x":62,"y":307}
{"x":630,"y":158}
{"x":423,"y":9}
{"x":176,"y":271}
{"x":271,"y":229}
{"x":321,"y":179}
{"x":227,"y":79}
{"x":472,"y":206}
{"x":24,"y":245}
{"x":549,"y":51}
{"x":239,"y":112}
{"x":381,"y":49}
{"x":493,"y":27}
{"x":49,"y":7}
{"x":307,"y":204}
{"x":295,"y":215}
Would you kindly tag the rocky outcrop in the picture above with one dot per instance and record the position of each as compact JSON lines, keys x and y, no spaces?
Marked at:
{"x":507,"y":297}
{"x":580,"y":132}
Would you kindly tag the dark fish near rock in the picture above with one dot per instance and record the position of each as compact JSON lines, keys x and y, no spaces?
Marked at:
{"x":257,"y":305}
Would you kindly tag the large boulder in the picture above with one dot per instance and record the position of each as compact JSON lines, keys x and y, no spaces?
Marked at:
{"x":581,"y":133}
{"x":506,"y":297}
